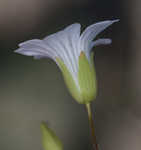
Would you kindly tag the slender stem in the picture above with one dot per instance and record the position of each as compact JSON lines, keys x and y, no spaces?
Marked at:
{"x":91,"y":122}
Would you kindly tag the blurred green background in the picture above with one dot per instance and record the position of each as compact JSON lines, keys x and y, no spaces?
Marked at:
{"x":33,"y":90}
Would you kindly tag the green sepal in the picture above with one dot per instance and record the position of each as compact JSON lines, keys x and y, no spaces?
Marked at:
{"x":87,"y":78}
{"x":86,"y":92}
{"x":71,"y":85}
{"x":49,"y":140}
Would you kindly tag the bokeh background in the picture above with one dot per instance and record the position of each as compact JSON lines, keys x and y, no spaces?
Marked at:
{"x":32,"y":90}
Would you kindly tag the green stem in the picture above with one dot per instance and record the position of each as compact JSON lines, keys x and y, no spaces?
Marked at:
{"x":91,"y":122}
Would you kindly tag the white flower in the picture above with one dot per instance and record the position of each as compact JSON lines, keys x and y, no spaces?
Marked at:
{"x":68,"y":48}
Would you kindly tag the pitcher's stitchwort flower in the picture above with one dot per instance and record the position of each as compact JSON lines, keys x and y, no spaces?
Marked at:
{"x":72,"y":53}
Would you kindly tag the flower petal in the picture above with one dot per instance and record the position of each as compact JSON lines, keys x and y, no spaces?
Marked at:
{"x":35,"y":48}
{"x":100,"y":42}
{"x":64,"y":40}
{"x":92,"y":31}
{"x":64,"y":43}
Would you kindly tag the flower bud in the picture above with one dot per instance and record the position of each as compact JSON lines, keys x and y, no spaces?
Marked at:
{"x":49,"y":140}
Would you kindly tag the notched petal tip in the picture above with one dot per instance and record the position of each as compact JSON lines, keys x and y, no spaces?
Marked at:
{"x":25,"y":52}
{"x":105,"y":41}
{"x":92,"y":31}
{"x":19,"y":51}
{"x":108,"y":41}
{"x":34,"y":41}
{"x":112,"y":21}
{"x":73,"y":26}
{"x":16,"y":51}
{"x":100,"y":42}
{"x":35,"y":48}
{"x":116,"y":20}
